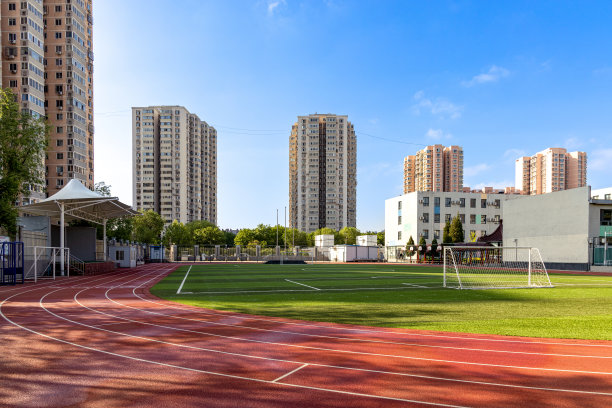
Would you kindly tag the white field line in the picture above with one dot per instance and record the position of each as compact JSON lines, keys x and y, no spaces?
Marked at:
{"x":302,"y":284}
{"x":210,"y":312}
{"x":280,"y":360}
{"x":289,"y":373}
{"x":304,"y":290}
{"x":178,"y":292}
{"x":416,"y":286}
{"x":344,"y":338}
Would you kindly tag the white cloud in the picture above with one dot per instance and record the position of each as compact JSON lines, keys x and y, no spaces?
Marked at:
{"x":514,"y":154}
{"x":573,"y":143}
{"x":273,"y":6}
{"x":494,"y":74}
{"x":472,"y":171}
{"x":437,"y":134}
{"x":600,"y":160}
{"x":439,"y":106}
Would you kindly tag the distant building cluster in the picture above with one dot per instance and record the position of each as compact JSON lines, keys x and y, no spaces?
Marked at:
{"x":434,"y":168}
{"x":553,"y":169}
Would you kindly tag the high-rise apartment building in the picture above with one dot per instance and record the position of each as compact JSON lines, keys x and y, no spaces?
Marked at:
{"x":322,"y":173}
{"x":47,"y":61}
{"x":552,"y":169}
{"x":434,"y":168}
{"x":174,"y":164}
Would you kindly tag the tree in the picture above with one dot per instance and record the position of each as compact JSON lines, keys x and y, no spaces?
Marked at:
{"x":119,"y":228}
{"x":380,"y":238}
{"x":434,"y":248}
{"x":147,"y":227}
{"x":348,"y":235}
{"x":194,"y":225}
{"x":103,"y":189}
{"x":409,"y":244}
{"x":229,"y":238}
{"x":446,"y":237}
{"x":456,"y":230}
{"x":423,"y":244}
{"x":23,"y":140}
{"x":244,"y":237}
{"x":209,"y":236}
{"x":177,"y":234}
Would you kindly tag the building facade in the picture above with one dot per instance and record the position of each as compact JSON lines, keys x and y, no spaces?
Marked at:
{"x":174,"y":164}
{"x":47,"y":61}
{"x":566,"y":226}
{"x":424,"y":214}
{"x":322,"y":173}
{"x":434,"y":168}
{"x":552,"y":169}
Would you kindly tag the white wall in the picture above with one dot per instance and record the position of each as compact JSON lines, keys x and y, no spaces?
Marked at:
{"x":555,"y":223}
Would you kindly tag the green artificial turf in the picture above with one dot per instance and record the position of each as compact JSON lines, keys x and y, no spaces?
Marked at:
{"x":403,"y":296}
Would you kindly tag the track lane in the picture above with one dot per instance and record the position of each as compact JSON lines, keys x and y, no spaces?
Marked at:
{"x":310,"y":377}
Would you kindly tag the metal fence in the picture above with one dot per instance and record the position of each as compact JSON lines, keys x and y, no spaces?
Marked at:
{"x":602,"y":255}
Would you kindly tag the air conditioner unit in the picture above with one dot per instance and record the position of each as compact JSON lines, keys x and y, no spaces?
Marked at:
{"x":420,"y":201}
{"x":60,"y":92}
{"x":13,"y":71}
{"x":10,"y":56}
{"x":60,"y":108}
{"x":422,"y":218}
{"x":13,"y":41}
{"x":58,"y":52}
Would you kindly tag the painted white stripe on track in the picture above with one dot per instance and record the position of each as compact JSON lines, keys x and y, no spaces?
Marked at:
{"x":303,"y":284}
{"x":178,"y":292}
{"x":290,"y":372}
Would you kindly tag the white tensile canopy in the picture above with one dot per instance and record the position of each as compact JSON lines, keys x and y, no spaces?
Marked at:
{"x":75,"y":201}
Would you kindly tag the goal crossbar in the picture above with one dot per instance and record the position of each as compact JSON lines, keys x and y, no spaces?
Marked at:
{"x":474,"y":267}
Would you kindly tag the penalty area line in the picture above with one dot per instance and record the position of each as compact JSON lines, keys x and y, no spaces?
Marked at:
{"x":178,"y":292}
{"x":303,"y":284}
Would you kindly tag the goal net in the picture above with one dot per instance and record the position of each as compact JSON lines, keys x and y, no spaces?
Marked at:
{"x":494,"y":267}
{"x":45,"y":262}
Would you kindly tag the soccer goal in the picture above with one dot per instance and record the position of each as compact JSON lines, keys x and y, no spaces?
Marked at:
{"x":467,"y":267}
{"x":45,"y":262}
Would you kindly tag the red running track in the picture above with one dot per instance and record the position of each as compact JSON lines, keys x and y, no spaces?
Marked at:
{"x":106,"y":342}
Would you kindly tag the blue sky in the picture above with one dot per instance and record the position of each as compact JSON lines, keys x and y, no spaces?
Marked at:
{"x":501,"y":79}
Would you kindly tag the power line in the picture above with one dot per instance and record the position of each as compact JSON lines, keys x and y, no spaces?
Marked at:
{"x":390,"y":140}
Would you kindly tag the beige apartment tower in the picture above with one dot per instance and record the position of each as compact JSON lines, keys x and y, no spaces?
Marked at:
{"x":174,"y":164}
{"x":434,"y":168}
{"x":552,"y":169}
{"x":47,"y":61}
{"x":322,"y":173}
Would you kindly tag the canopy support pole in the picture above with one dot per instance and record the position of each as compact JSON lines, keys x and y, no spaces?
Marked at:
{"x":104,"y":239}
{"x":62,"y":239}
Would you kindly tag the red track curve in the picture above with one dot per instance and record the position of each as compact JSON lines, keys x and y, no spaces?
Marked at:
{"x":106,"y":341}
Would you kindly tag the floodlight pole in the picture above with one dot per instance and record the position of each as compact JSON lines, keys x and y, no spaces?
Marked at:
{"x":285,"y":233}
{"x":104,"y":239}
{"x":277,"y":227}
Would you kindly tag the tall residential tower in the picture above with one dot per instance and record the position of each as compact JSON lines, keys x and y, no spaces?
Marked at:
{"x":322,"y":173}
{"x":434,"y":168}
{"x":47,"y":61}
{"x":552,"y":169}
{"x":174,"y":164}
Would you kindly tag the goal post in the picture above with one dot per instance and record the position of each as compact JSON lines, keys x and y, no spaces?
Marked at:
{"x":45,"y":262}
{"x":480,"y":267}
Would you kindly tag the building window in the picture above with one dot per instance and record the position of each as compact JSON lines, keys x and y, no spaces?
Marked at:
{"x":12,"y":6}
{"x":462,"y":202}
{"x":399,"y":220}
{"x":483,"y":203}
{"x":120,"y":255}
{"x":472,"y":218}
{"x":425,"y":233}
{"x":399,"y":235}
{"x":606,"y":217}
{"x":425,"y":201}
{"x":437,"y":234}
{"x":462,"y":218}
{"x":425,"y":217}
{"x":447,"y":217}
{"x":60,"y":156}
{"x":436,"y":218}
{"x":447,"y":202}
{"x":399,"y":205}
{"x":436,"y":201}
{"x":483,"y":219}
{"x":472,"y":203}
{"x":58,"y":35}
{"x":12,"y":21}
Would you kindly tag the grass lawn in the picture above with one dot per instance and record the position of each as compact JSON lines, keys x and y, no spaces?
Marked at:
{"x":406,"y":296}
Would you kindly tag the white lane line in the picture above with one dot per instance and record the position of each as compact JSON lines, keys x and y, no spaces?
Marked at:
{"x":415,"y":285}
{"x":273,"y":359}
{"x":178,"y":292}
{"x":289,"y":373}
{"x":303,"y":284}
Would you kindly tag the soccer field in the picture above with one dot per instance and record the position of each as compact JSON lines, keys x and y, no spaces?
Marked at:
{"x":406,"y":296}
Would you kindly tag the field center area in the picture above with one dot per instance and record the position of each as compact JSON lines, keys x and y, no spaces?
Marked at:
{"x":401,"y":296}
